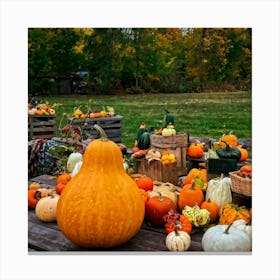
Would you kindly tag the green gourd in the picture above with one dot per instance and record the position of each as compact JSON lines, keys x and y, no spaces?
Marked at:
{"x":169,"y":118}
{"x":144,"y":141}
{"x":141,"y":130}
{"x":228,"y":152}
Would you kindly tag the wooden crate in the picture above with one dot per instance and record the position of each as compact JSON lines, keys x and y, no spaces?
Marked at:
{"x":176,"y":145}
{"x":41,"y":127}
{"x":157,"y":171}
{"x":111,"y":125}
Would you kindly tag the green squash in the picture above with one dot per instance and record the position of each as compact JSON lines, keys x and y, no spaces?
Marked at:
{"x":144,"y":141}
{"x":141,"y":130}
{"x":169,"y":118}
{"x":228,"y":152}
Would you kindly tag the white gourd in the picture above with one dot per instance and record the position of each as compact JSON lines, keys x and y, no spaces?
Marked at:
{"x":45,"y":209}
{"x":77,"y":168}
{"x":219,"y":190}
{"x":72,"y":160}
{"x":224,"y":238}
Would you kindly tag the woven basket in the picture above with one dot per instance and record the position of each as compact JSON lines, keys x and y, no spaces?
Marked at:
{"x":240,"y":185}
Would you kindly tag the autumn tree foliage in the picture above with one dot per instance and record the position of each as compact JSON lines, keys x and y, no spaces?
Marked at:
{"x":137,"y":60}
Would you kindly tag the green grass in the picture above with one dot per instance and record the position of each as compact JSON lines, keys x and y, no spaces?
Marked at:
{"x":198,"y":114}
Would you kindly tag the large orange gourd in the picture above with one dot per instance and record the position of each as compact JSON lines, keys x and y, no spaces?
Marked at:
{"x":101,"y":206}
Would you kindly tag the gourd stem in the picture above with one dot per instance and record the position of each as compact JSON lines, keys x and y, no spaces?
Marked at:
{"x":102,"y":133}
{"x":227,"y":229}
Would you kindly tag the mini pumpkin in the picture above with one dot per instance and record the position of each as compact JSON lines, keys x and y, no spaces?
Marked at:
{"x":33,"y":198}
{"x":145,"y":182}
{"x":46,"y":208}
{"x":195,"y":150}
{"x":178,"y":241}
{"x":230,"y":138}
{"x":213,"y":209}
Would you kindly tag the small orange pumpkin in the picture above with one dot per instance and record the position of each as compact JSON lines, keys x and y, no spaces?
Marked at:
{"x":190,"y":195}
{"x":63,"y":178}
{"x":213,"y":209}
{"x":195,"y":150}
{"x":145,"y":182}
{"x":32,"y":199}
{"x":230,"y":138}
{"x":244,"y":153}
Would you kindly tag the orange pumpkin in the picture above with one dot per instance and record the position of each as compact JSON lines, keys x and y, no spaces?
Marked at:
{"x":244,"y":153}
{"x":213,"y":209}
{"x":63,"y":178}
{"x":145,"y":182}
{"x":195,"y":150}
{"x":32,"y":199}
{"x":157,"y":207}
{"x":101,"y":207}
{"x":190,"y":195}
{"x":230,"y":138}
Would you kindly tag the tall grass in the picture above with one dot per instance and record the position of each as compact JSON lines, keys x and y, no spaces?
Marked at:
{"x":198,"y":114}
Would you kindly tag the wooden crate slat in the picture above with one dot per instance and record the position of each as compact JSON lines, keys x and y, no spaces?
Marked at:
{"x":43,"y":127}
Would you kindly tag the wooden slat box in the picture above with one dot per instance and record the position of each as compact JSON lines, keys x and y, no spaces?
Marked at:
{"x":41,"y":127}
{"x":111,"y":125}
{"x":176,"y":145}
{"x":158,"y":171}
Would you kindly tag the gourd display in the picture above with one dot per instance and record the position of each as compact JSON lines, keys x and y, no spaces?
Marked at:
{"x":225,"y":238}
{"x":178,"y":241}
{"x":46,"y":208}
{"x":102,"y":206}
{"x":219,"y":190}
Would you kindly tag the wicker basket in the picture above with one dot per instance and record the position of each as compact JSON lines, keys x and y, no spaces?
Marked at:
{"x":240,"y":185}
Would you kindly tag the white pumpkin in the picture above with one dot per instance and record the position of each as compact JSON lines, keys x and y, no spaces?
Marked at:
{"x":178,"y":241}
{"x":219,"y":190}
{"x":72,"y":160}
{"x":244,"y":226}
{"x":76,"y":169}
{"x":45,"y":209}
{"x":225,"y":238}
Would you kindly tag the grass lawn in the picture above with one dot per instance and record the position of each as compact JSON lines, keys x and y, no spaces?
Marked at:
{"x":198,"y":114}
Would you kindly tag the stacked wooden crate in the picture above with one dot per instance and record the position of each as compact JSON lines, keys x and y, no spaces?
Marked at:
{"x":41,"y":126}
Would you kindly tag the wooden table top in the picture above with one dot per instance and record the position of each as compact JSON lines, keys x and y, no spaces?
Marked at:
{"x":48,"y":237}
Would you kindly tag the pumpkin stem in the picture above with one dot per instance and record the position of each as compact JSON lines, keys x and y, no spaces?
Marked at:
{"x":160,"y":198}
{"x":102,"y":133}
{"x":227,"y":229}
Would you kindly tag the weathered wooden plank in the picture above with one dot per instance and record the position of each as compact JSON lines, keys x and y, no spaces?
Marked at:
{"x":45,"y":179}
